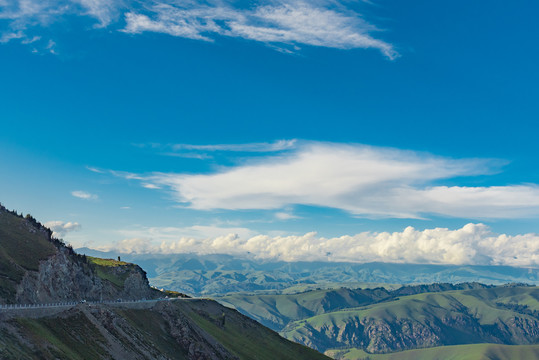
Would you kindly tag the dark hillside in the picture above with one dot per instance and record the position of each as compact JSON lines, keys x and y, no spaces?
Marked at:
{"x":173,"y":329}
{"x":37,"y":268}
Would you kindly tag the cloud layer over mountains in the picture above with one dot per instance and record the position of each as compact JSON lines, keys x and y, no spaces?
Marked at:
{"x":473,"y":244}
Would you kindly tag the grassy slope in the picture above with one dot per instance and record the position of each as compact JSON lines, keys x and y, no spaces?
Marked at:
{"x":457,"y":352}
{"x":483,"y":305}
{"x":112,"y":270}
{"x":243,"y":336}
{"x":65,"y":338}
{"x":276,"y":311}
{"x":144,"y":333}
{"x":20,"y":250}
{"x":154,"y":332}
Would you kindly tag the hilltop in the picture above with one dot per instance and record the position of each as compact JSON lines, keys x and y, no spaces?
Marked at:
{"x":36,"y":268}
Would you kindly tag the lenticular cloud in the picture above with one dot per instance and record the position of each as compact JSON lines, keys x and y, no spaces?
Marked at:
{"x":362,"y":180}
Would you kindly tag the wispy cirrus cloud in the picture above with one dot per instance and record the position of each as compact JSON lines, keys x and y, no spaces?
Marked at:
{"x":282,"y":24}
{"x":95,"y":170}
{"x":365,"y":181}
{"x":84,"y":195}
{"x":278,"y":145}
{"x":473,"y":244}
{"x":202,"y":152}
{"x":286,"y":22}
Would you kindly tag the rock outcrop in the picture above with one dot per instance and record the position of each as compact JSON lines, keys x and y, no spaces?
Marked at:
{"x":36,"y":268}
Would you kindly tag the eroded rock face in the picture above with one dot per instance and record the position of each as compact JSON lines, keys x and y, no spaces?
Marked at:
{"x":59,"y":278}
{"x":382,"y":336}
{"x":65,"y":277}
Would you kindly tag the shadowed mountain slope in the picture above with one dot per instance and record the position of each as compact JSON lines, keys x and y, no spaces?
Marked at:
{"x":176,"y":329}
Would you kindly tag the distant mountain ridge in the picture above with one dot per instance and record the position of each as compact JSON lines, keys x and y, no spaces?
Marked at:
{"x":278,"y":310}
{"x":218,"y":274}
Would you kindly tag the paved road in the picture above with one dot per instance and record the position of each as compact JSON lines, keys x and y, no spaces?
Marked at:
{"x":67,"y":304}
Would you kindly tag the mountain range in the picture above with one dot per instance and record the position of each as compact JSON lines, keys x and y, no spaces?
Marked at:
{"x":218,"y":274}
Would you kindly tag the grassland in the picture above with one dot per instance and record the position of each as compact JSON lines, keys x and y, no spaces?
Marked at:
{"x":503,"y":315}
{"x":242,"y":336}
{"x":111,"y":270}
{"x":107,"y":262}
{"x":178,"y":330}
{"x":277,"y":310}
{"x":23,"y":247}
{"x":456,"y":352}
{"x":64,"y":338}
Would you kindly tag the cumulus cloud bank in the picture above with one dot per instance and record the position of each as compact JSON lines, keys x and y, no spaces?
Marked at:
{"x":364,"y":181}
{"x":473,"y":244}
{"x":285,"y":24}
{"x":61,"y":228}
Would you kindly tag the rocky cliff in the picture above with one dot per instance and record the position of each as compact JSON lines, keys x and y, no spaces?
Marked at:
{"x":37,"y":268}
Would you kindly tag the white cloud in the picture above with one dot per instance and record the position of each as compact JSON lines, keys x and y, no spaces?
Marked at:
{"x":285,"y":216}
{"x":103,"y":10}
{"x":290,"y":22}
{"x":472,"y":244}
{"x":7,"y":37}
{"x":84,"y":195}
{"x":173,"y":233}
{"x":278,"y":145}
{"x":61,"y":228}
{"x":174,"y":239}
{"x":150,"y":186}
{"x":365,"y":181}
{"x":189,"y":155}
{"x":280,"y":23}
{"x":94,"y":169}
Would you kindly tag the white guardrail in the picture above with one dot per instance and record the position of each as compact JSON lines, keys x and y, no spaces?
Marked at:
{"x":71,"y":303}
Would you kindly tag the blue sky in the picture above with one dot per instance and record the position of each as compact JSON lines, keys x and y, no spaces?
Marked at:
{"x":135,"y":125}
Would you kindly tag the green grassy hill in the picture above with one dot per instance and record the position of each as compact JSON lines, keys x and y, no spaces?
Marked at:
{"x":23,"y":244}
{"x":507,"y":315}
{"x":277,"y":310}
{"x":456,"y":352}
